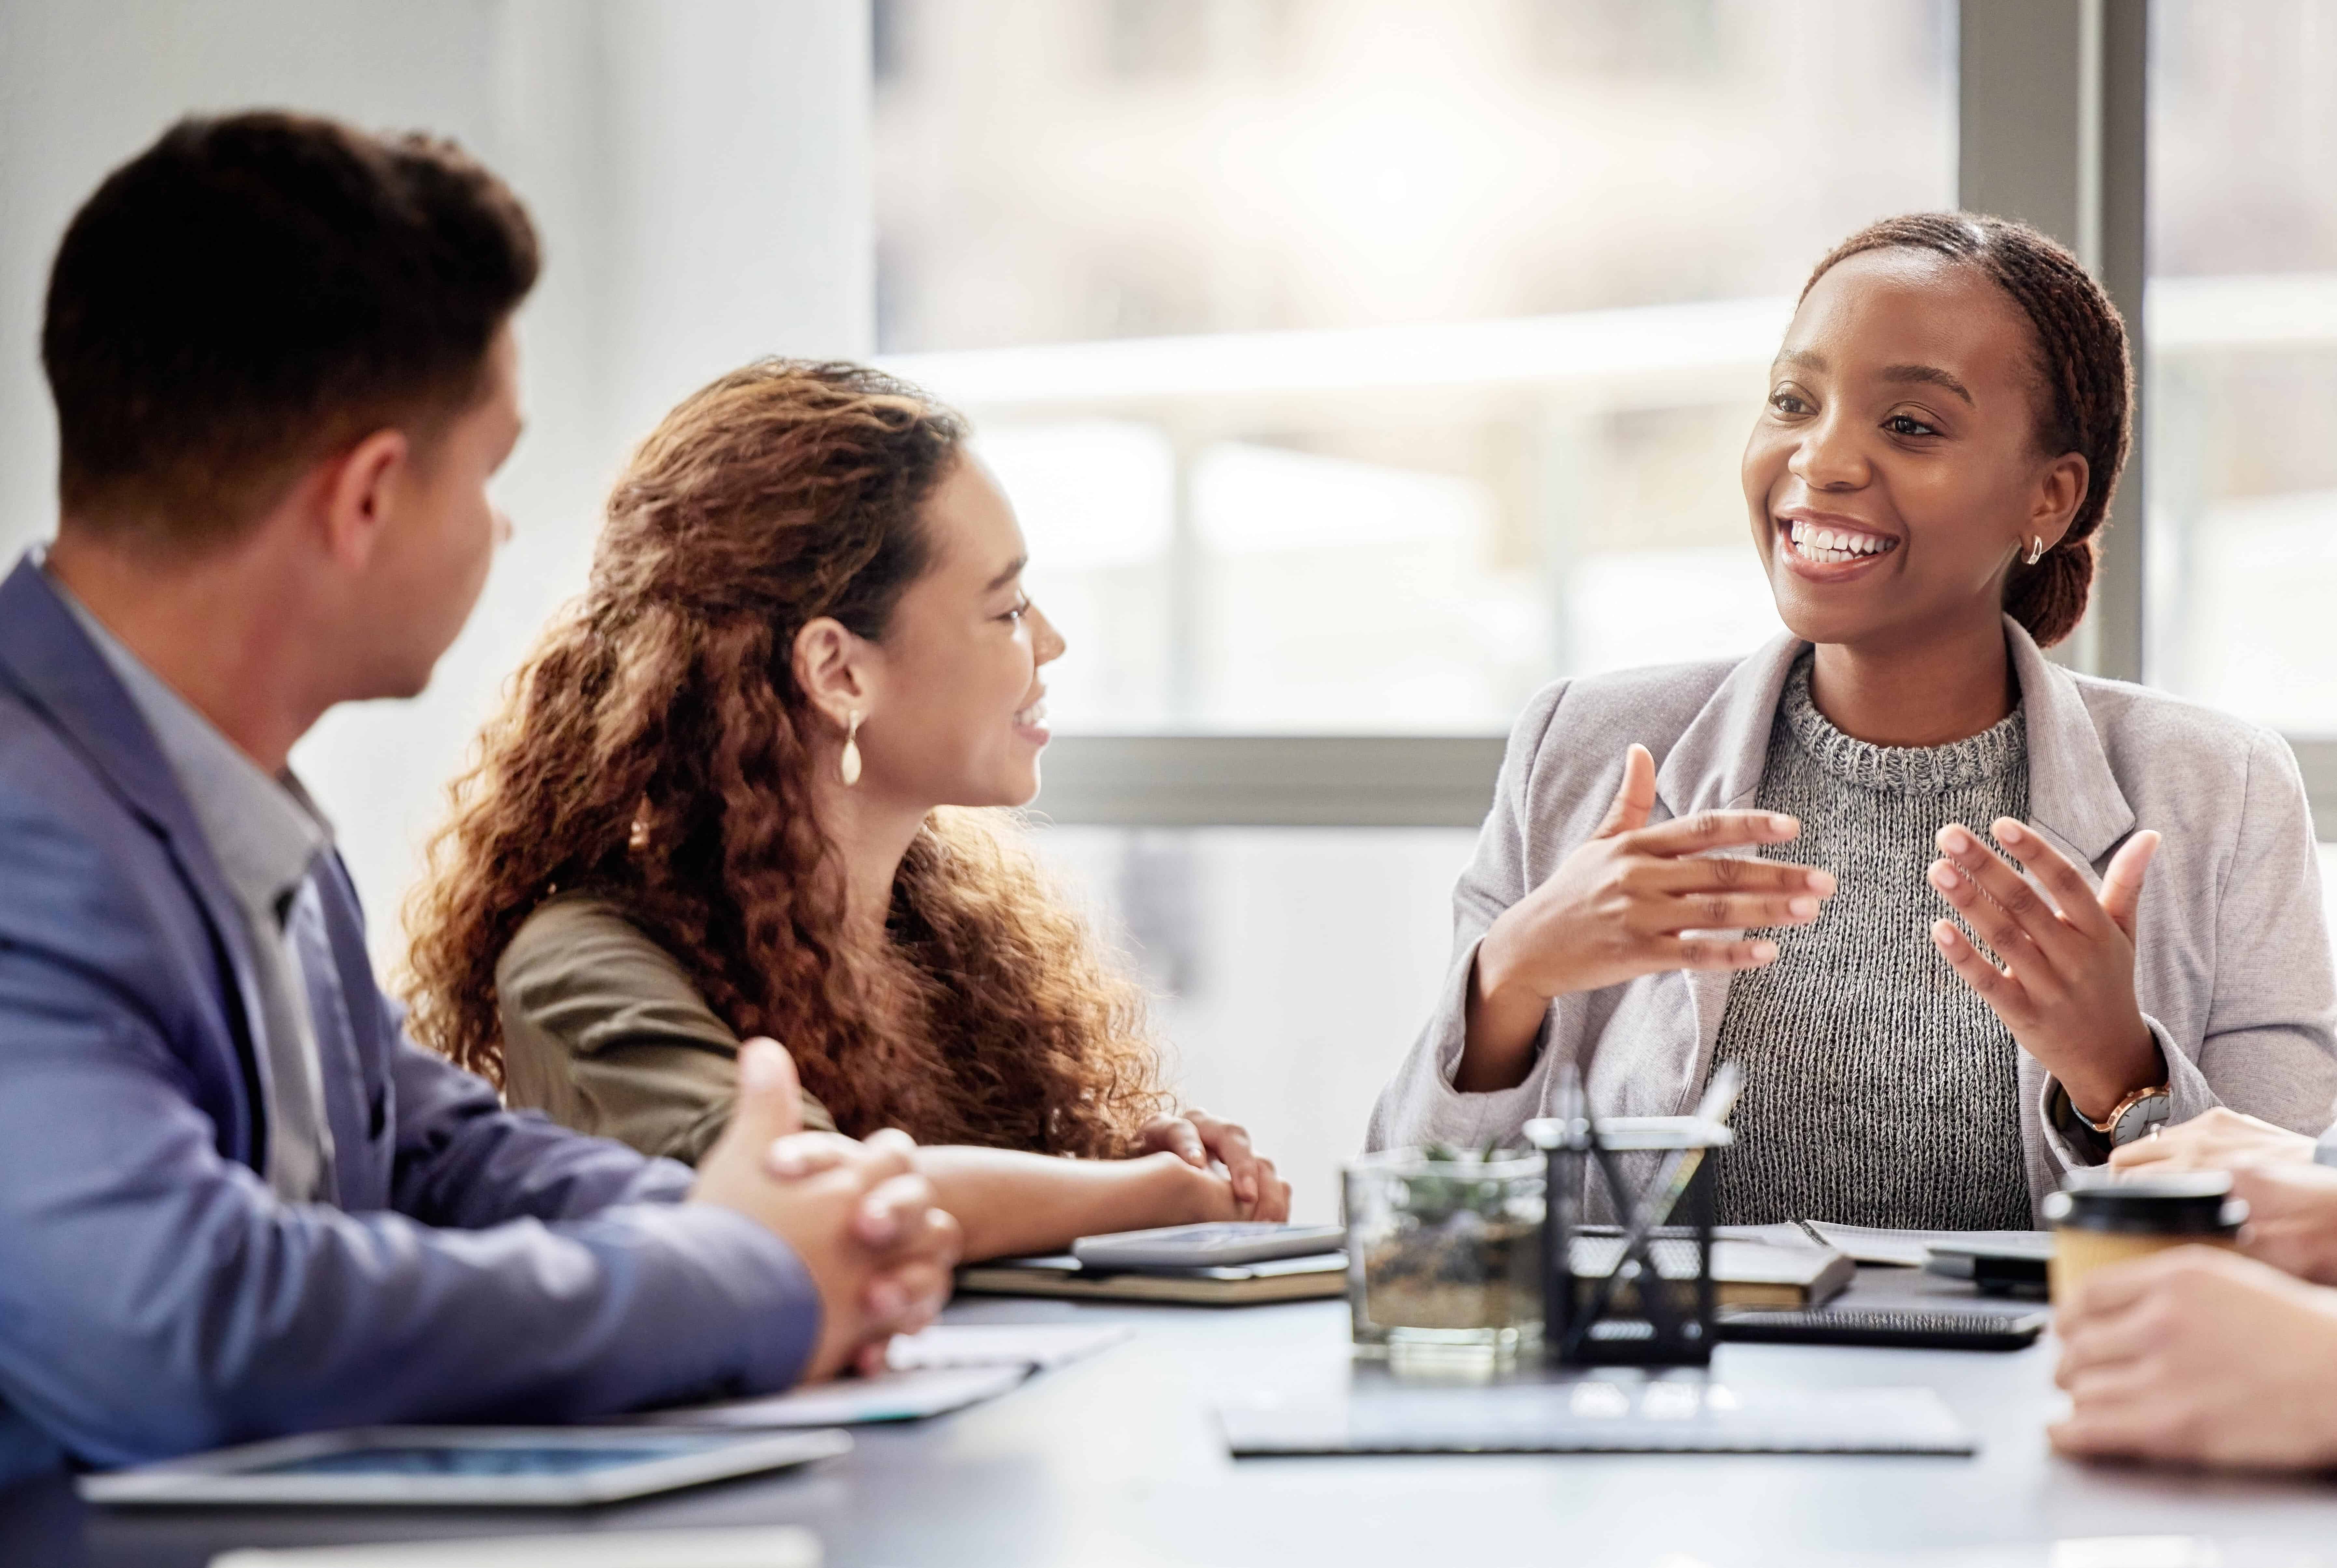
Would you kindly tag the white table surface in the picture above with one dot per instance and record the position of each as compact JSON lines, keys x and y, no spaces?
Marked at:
{"x":1118,"y":1460}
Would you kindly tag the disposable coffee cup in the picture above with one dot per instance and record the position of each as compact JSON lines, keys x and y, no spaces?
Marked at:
{"x":2099,"y":1223}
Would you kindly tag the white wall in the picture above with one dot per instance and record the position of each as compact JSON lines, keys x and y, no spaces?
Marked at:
{"x":699,"y":173}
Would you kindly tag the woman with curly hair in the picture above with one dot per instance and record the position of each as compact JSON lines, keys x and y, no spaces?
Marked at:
{"x":1982,"y":966}
{"x":750,"y":787}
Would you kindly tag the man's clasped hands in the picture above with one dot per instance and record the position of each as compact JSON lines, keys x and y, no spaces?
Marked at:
{"x":855,"y":1212}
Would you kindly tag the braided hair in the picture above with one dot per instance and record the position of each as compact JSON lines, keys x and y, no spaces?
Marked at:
{"x":2084,"y":380}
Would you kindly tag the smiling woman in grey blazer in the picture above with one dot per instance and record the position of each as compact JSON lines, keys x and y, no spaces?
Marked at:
{"x":1944,"y":427}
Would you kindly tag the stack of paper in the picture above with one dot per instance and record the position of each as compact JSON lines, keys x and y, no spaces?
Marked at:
{"x":1912,"y":1249}
{"x":947,"y":1368}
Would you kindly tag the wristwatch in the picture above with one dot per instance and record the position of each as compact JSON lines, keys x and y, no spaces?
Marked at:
{"x":2135,"y":1116}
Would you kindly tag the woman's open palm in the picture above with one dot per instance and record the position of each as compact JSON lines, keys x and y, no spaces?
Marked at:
{"x":2063,"y":978}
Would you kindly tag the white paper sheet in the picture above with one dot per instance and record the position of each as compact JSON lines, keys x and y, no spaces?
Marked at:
{"x":853,"y":1401}
{"x":1912,"y":1248}
{"x":761,"y":1547}
{"x":1036,"y":1345}
{"x":1627,"y":1415}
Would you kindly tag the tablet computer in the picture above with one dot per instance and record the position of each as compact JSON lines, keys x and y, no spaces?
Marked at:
{"x":460,"y":1467}
{"x":1223,"y":1244}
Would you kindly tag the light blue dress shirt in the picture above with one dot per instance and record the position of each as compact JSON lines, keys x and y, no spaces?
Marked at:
{"x":267,"y":835}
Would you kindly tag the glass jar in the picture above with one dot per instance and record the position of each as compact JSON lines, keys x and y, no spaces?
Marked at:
{"x":1444,"y":1253}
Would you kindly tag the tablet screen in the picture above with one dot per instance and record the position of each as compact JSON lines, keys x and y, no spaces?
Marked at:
{"x":492,"y":1460}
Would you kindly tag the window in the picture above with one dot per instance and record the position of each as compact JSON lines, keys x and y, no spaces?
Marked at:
{"x":1293,"y":968}
{"x":1357,"y":366}
{"x":2242,"y":313}
{"x":1360,"y":366}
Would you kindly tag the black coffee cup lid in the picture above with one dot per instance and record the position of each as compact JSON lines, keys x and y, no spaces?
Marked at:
{"x":2197,"y":1203}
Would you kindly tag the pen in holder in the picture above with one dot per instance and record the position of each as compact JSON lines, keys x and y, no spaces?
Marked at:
{"x":1639,"y":1292}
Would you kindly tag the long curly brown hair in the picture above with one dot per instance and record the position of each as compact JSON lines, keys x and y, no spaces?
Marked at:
{"x":656,"y":750}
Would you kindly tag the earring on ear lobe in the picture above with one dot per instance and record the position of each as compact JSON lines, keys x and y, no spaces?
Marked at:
{"x":2036,"y":548}
{"x":847,"y":766}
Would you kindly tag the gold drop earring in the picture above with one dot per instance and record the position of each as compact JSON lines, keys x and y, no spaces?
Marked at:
{"x":847,"y":766}
{"x":2036,"y":548}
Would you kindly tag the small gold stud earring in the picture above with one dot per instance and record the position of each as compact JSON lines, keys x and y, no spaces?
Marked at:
{"x":847,"y":766}
{"x":2036,"y":548}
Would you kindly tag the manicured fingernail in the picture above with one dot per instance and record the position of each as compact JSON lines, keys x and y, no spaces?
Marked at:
{"x":1944,"y":875}
{"x":785,"y":1161}
{"x":1955,"y":841}
{"x":1824,"y":883}
{"x":1945,"y":935}
{"x":1779,"y":822}
{"x":2010,"y":832}
{"x":1765,"y":951}
{"x":1803,"y":908}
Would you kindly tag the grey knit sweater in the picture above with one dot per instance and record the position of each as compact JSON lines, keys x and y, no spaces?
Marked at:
{"x":1879,"y":1090}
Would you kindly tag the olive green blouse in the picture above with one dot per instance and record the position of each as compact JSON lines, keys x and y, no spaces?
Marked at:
{"x":603,"y":1031}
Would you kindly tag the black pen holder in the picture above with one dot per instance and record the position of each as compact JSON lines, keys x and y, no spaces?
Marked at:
{"x":1638,"y":1292}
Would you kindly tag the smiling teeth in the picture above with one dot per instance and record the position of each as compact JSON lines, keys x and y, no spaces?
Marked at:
{"x":1034,"y":715}
{"x":1830,"y":545}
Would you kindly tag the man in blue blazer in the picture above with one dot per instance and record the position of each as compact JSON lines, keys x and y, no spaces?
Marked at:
{"x":235,"y":1200}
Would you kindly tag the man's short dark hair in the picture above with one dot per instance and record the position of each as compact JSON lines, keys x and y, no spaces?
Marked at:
{"x":255,"y":290}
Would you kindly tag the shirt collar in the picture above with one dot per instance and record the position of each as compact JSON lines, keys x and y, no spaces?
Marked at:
{"x":265,"y":832}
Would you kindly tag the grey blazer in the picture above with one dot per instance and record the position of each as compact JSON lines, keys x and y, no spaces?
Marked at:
{"x":2233,"y":969}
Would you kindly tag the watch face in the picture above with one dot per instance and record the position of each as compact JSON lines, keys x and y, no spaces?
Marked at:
{"x":2144,"y":1113}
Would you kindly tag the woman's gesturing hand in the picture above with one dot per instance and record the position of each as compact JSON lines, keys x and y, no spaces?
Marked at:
{"x":1632,"y":901}
{"x":1198,"y":1138}
{"x":2064,"y":989}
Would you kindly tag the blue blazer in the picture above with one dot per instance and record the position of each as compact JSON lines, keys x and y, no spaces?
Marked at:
{"x":155,"y":1297}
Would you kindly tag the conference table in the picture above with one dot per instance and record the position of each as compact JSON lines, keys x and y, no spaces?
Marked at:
{"x":1116,"y":1459}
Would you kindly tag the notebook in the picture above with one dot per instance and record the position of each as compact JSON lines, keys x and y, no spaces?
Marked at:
{"x":1240,"y":1285}
{"x":1596,"y":1416}
{"x":1784,"y":1271}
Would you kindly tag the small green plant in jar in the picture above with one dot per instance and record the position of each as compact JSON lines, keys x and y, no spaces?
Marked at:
{"x":1444,"y":1248}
